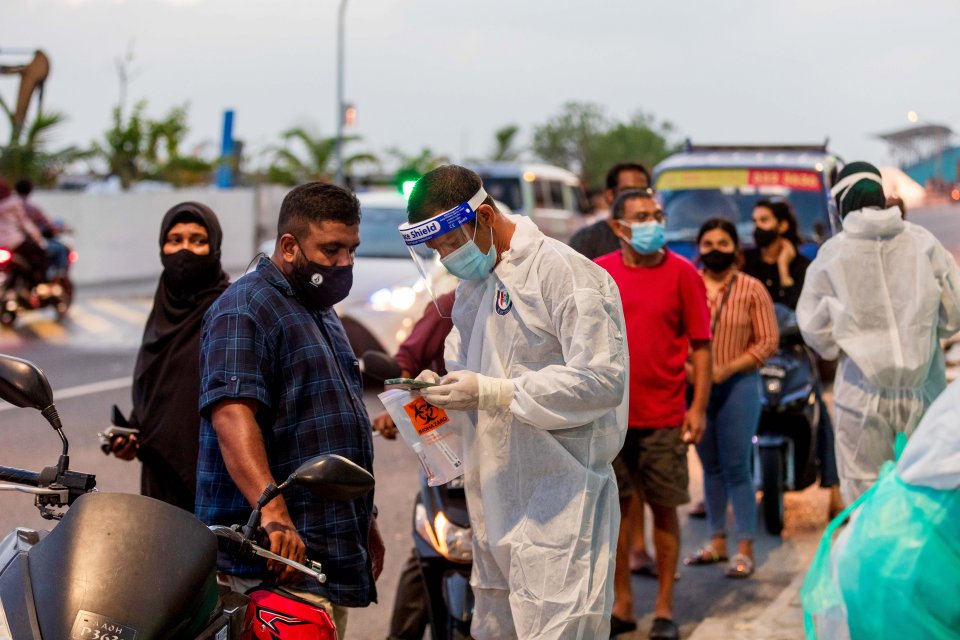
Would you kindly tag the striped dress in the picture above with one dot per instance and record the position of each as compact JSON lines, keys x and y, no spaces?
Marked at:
{"x":748,"y":322}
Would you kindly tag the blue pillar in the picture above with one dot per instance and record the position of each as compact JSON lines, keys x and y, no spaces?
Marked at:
{"x":225,"y":170}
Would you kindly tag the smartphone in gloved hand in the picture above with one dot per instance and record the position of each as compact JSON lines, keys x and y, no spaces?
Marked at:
{"x":407,"y":384}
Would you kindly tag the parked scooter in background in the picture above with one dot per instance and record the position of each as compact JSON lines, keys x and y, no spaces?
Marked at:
{"x":20,"y":292}
{"x":127,"y":567}
{"x":443,"y":540}
{"x":785,"y":457}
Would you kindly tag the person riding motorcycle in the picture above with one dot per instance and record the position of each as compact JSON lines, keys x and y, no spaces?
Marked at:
{"x":20,"y":236}
{"x":58,"y":254}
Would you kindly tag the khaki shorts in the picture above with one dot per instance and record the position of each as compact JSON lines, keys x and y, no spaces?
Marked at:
{"x":653,"y":466}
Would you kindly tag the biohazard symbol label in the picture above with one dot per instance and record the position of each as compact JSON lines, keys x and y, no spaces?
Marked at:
{"x":425,"y":416}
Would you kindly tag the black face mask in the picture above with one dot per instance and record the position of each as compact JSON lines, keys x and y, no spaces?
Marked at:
{"x":322,"y":286}
{"x":718,"y":261}
{"x":765,"y":237}
{"x":188,"y":271}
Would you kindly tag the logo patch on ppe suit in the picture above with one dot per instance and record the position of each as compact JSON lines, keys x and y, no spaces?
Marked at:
{"x":502,"y":302}
{"x":425,"y":416}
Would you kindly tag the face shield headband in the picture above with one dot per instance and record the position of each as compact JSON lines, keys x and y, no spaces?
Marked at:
{"x":842,"y":189}
{"x":442,"y":223}
{"x":436,"y":279}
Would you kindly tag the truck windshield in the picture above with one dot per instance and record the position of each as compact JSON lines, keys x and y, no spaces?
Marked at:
{"x":692,"y":196}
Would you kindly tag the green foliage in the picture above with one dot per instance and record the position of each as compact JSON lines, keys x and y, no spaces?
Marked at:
{"x":584,"y":139}
{"x":138,"y":148}
{"x":27,"y":155}
{"x":418,"y":163}
{"x":504,"y":150}
{"x":125,"y":145}
{"x":309,"y":156}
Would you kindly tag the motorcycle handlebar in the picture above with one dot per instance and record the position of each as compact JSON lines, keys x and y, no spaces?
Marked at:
{"x":19,"y":476}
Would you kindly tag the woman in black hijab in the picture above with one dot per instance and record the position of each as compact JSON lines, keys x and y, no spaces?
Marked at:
{"x":166,"y":380}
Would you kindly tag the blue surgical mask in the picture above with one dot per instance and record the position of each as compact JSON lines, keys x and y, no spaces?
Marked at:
{"x":647,"y":237}
{"x":469,"y":263}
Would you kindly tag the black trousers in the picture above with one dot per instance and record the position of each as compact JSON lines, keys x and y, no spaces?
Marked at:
{"x":410,"y":608}
{"x":159,"y":480}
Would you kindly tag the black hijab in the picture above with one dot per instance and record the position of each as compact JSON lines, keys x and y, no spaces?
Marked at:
{"x":166,"y":380}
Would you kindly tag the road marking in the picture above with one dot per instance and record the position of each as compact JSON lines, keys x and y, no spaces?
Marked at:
{"x":88,"y":321}
{"x":48,"y":330}
{"x":113,"y":308}
{"x":84,"y":390}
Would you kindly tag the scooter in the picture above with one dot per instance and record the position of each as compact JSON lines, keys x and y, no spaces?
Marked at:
{"x":19,"y":291}
{"x":785,"y":456}
{"x":443,"y":540}
{"x":128,"y":567}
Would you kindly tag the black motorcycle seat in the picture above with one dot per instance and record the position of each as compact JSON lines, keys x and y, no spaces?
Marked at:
{"x":126,"y":562}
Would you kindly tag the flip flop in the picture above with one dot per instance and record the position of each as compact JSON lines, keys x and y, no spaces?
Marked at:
{"x":619,"y":626}
{"x":704,"y":555}
{"x":664,"y":629}
{"x":740,"y":566}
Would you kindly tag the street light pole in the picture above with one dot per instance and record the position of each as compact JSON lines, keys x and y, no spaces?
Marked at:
{"x":340,"y":20}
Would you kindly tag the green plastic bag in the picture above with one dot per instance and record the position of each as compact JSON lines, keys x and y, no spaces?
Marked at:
{"x":894,"y":572}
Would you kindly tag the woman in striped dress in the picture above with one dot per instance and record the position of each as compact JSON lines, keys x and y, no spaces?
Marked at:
{"x":744,"y":335}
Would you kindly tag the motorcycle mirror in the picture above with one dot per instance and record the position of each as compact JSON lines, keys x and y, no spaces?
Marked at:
{"x":380,"y":366}
{"x":334,"y":477}
{"x":23,"y":384}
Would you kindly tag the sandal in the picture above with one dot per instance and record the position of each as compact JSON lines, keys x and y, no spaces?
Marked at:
{"x":704,"y":555}
{"x":664,"y":629}
{"x":741,"y":566}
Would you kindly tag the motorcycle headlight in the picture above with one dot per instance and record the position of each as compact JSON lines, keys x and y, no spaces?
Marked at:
{"x":453,"y":542}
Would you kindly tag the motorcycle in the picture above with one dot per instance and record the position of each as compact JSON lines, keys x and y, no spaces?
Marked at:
{"x":19,"y":291}
{"x":442,"y":537}
{"x":128,"y":567}
{"x":785,"y":456}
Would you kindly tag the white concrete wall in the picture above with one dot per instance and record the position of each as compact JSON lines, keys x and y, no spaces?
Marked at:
{"x":117,"y":234}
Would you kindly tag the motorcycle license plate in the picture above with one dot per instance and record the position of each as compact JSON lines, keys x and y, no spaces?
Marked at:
{"x":93,"y":626}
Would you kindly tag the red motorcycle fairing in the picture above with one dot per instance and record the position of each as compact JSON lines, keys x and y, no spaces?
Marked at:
{"x":275,"y":616}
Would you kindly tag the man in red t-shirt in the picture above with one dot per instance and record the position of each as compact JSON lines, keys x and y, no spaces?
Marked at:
{"x":668,"y":321}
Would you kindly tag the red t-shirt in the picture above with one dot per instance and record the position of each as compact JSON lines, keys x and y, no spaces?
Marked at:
{"x":665,"y":307}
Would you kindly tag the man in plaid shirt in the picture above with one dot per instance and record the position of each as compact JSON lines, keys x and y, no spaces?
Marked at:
{"x":280,"y":385}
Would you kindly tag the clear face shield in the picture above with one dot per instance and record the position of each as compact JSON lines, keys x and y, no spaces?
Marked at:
{"x":443,"y":249}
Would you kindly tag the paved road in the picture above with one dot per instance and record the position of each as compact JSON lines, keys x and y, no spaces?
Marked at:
{"x":91,"y":356}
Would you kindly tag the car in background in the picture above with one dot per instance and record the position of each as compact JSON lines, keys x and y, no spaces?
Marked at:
{"x":702,"y":182}
{"x":552,"y":197}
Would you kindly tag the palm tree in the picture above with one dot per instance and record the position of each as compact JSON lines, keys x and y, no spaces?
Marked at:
{"x":504,"y":150}
{"x":315,"y":160}
{"x":26,"y":155}
{"x":419,"y":163}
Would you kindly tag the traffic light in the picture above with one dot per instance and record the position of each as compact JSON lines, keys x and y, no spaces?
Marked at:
{"x":405,"y":180}
{"x":349,"y":114}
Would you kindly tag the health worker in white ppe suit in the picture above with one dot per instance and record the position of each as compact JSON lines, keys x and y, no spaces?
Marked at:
{"x":879,"y":295}
{"x":538,"y":361}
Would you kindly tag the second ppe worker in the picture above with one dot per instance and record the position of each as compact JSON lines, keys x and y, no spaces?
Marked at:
{"x":538,"y":360}
{"x":879,"y":295}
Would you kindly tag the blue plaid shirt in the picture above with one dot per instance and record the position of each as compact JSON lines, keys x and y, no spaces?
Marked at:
{"x":260,"y":342}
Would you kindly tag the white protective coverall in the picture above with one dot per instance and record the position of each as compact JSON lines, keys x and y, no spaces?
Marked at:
{"x":879,"y":295}
{"x":539,"y":482}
